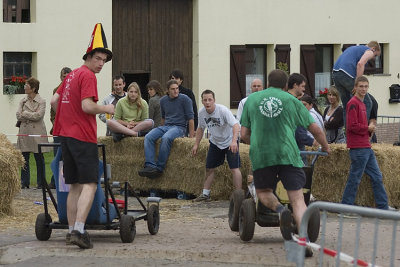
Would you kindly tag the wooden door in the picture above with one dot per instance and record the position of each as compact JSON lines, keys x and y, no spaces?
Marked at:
{"x":237,"y":74}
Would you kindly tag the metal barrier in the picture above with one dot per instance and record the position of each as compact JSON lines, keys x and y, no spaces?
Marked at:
{"x":296,"y":250}
{"x":388,"y":129}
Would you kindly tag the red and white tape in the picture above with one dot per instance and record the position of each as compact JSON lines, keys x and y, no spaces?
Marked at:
{"x":330,"y":252}
{"x":31,"y":135}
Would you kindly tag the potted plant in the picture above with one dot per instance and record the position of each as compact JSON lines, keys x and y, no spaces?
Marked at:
{"x":322,"y":99}
{"x":15,"y":85}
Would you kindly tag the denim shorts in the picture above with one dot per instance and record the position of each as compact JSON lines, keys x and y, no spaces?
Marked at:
{"x":216,"y":157}
{"x":81,"y":161}
{"x":293,"y":178}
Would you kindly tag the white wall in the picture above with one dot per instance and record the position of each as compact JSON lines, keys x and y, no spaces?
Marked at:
{"x":60,"y":36}
{"x":61,"y":31}
{"x":219,"y":24}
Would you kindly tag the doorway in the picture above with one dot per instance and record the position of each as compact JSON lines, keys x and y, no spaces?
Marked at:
{"x":142,"y":79}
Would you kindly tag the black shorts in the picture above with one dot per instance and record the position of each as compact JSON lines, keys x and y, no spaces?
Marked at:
{"x":292,"y":178}
{"x":81,"y":161}
{"x":216,"y":157}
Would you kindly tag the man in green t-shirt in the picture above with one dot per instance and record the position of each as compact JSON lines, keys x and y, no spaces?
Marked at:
{"x":269,"y":121}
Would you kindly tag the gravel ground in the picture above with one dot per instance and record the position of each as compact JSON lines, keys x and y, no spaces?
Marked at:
{"x":194,"y":234}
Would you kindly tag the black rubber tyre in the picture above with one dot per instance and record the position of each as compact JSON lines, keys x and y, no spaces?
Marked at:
{"x":127,"y":228}
{"x":42,"y":229}
{"x":235,"y":203}
{"x":313,"y":226}
{"x":153,"y":219}
{"x":247,"y":219}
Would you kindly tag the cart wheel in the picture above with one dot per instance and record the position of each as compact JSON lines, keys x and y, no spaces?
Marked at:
{"x":153,"y":219}
{"x":127,"y":228}
{"x":313,"y":226}
{"x":42,"y":229}
{"x":234,"y":208}
{"x":247,"y":219}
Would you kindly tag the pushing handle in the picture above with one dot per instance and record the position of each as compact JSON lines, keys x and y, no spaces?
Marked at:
{"x":318,"y":153}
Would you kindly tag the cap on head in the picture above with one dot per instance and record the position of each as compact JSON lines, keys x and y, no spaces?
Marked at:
{"x":98,"y":43}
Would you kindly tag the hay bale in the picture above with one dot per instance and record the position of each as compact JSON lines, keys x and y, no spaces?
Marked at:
{"x":183,"y":172}
{"x":11,"y":161}
{"x":330,"y":175}
{"x":186,"y":173}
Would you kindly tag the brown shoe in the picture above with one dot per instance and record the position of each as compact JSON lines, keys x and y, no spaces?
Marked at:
{"x":81,"y":240}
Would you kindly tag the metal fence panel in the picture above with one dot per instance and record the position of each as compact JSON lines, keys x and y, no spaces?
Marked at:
{"x":388,"y":129}
{"x":364,"y":236}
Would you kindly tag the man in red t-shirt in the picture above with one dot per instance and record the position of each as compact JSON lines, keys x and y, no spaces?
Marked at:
{"x":361,"y":155}
{"x":75,"y":124}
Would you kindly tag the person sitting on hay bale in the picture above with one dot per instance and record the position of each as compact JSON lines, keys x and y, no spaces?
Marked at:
{"x":224,"y":130}
{"x":131,"y":116}
{"x":155,"y":93}
{"x":361,"y":155}
{"x":176,"y":112}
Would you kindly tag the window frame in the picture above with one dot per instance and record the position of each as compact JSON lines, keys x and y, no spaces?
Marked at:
{"x":239,"y":55}
{"x":25,"y":65}
{"x":370,"y":67}
{"x":17,"y":12}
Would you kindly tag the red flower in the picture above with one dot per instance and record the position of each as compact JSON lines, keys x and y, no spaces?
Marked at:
{"x":323,"y":93}
{"x":18,"y":80}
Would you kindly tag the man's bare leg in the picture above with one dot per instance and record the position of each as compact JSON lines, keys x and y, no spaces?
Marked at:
{"x":268,"y":199}
{"x":72,"y":203}
{"x":237,"y":178}
{"x":210,"y":173}
{"x":85,"y":201}
{"x":296,"y":199}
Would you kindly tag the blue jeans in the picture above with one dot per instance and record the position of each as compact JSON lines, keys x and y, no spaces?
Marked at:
{"x":25,"y":171}
{"x":345,"y":84}
{"x":363,"y":160}
{"x":167,"y":134}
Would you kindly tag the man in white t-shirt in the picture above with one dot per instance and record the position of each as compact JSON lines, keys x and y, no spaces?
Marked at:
{"x":224,"y":130}
{"x":256,"y":85}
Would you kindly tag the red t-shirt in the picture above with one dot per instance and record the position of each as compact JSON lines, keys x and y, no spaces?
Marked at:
{"x":71,"y":120}
{"x":356,"y":124}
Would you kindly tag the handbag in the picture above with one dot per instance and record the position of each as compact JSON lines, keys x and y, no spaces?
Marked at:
{"x":18,"y":124}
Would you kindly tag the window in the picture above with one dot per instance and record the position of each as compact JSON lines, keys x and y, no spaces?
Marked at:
{"x":323,"y":67}
{"x":375,"y":66}
{"x":255,"y":65}
{"x":17,"y":66}
{"x":247,"y":62}
{"x":282,"y":57}
{"x":316,"y":62}
{"x":16,"y":11}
